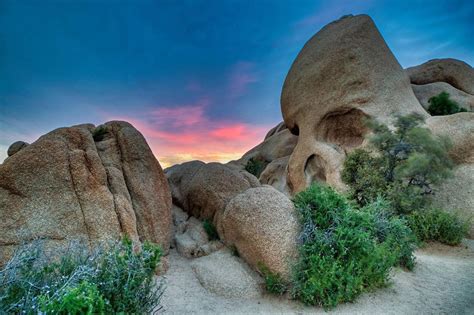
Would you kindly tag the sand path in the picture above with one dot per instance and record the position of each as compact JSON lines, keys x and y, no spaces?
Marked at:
{"x":442,"y":283}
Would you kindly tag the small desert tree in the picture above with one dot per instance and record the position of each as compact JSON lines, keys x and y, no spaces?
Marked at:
{"x":403,"y":166}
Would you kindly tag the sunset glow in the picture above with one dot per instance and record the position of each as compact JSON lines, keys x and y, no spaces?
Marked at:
{"x":199,"y":86}
{"x":185,"y":133}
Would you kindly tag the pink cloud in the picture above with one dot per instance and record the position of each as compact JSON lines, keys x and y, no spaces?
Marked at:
{"x":182,"y":133}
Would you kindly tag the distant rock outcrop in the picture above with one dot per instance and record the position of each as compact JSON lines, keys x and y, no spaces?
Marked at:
{"x":455,"y":72}
{"x":278,"y":143}
{"x":426,"y":91}
{"x":84,"y":183}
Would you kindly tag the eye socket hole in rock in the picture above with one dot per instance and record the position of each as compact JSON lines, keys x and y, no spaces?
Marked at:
{"x":345,"y":127}
{"x":315,"y":169}
{"x":294,"y":129}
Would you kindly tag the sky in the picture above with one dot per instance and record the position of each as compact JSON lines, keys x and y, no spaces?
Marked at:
{"x":200,"y":79}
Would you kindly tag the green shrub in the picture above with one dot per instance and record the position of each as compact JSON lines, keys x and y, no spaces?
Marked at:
{"x":99,"y":133}
{"x":344,"y":251}
{"x":210,"y":230}
{"x":82,"y":299}
{"x":394,"y":231}
{"x":115,"y":278}
{"x":403,"y":168}
{"x":442,"y":105}
{"x":437,"y":225}
{"x":274,"y":283}
{"x":255,"y":166}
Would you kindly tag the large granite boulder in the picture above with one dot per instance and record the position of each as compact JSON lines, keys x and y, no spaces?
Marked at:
{"x":455,"y":72}
{"x":84,"y":183}
{"x":343,"y":75}
{"x":261,"y":223}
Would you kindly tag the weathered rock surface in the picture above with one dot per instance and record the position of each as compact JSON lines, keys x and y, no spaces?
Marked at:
{"x":65,"y":186}
{"x":275,"y":175}
{"x":455,"y":72}
{"x":457,"y":194}
{"x":261,"y":223}
{"x":343,"y":75}
{"x":459,"y":128}
{"x":179,"y":219}
{"x":226,"y":275}
{"x":426,"y":91}
{"x":281,"y":126}
{"x":194,"y":241}
{"x":16,"y":146}
{"x":278,"y":145}
{"x":203,"y":190}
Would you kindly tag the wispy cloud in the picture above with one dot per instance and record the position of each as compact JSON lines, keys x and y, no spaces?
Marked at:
{"x":241,"y":76}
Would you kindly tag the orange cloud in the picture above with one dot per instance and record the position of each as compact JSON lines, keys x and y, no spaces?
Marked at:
{"x":179,"y":134}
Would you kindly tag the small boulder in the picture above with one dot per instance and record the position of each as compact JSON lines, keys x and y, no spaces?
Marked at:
{"x":226,"y":275}
{"x":190,"y":241}
{"x":261,"y":223}
{"x":16,"y":146}
{"x":194,"y":241}
{"x":179,"y":219}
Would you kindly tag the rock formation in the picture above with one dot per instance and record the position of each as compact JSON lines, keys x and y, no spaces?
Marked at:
{"x":426,"y":91}
{"x":203,"y":190}
{"x":86,"y":183}
{"x":343,"y":75}
{"x":455,"y":72}
{"x":259,"y":221}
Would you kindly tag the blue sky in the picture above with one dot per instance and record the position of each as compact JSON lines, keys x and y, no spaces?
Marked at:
{"x":200,"y":79}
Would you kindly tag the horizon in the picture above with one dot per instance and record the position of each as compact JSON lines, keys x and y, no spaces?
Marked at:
{"x":198,"y":86}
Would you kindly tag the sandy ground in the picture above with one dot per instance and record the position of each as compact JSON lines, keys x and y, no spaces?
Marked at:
{"x":442,"y":283}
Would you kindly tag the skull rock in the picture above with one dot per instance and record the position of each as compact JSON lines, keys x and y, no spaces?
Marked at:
{"x":343,"y":75}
